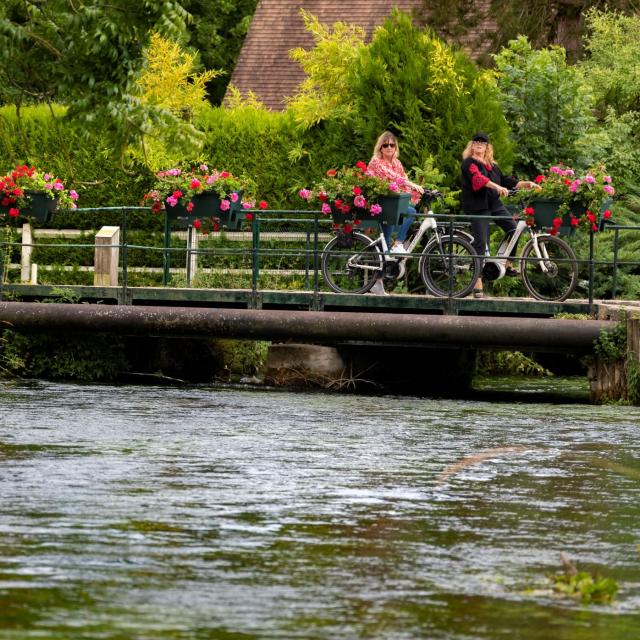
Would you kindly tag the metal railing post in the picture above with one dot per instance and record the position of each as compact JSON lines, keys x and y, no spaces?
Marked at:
{"x":166,"y":253}
{"x":591,"y":268}
{"x":255,"y":249}
{"x":614,"y":278}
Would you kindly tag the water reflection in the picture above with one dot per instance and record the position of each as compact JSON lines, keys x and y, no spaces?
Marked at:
{"x":199,"y":513}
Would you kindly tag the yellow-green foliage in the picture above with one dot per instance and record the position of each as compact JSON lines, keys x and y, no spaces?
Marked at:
{"x":169,"y":82}
{"x":329,"y":69}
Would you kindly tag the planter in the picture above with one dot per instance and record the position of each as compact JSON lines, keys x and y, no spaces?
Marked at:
{"x":546,"y":210}
{"x":205,"y":205}
{"x":393,"y":206}
{"x":41,"y":207}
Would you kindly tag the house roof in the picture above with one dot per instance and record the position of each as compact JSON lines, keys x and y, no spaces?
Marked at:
{"x":264,"y":65}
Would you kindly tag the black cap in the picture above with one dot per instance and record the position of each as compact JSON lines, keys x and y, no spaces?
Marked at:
{"x":480,"y":137}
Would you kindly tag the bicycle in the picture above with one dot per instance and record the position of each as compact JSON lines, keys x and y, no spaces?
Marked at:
{"x":549,"y":266}
{"x":352,"y":262}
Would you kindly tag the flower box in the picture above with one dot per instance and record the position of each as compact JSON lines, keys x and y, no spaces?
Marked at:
{"x":393,"y":206}
{"x":546,"y":210}
{"x":205,"y":206}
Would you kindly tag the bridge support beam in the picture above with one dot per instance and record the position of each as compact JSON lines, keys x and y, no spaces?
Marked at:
{"x":320,"y":327}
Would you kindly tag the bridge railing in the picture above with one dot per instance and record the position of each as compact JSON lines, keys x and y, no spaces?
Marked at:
{"x":277,"y":250}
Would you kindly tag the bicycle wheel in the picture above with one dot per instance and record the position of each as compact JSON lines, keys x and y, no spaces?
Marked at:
{"x":448,"y":266}
{"x":555,"y":276}
{"x":351,"y":269}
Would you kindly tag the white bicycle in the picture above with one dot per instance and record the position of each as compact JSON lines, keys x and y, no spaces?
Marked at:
{"x":352,"y":262}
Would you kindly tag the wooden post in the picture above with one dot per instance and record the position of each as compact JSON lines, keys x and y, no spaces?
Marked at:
{"x":27,"y":249}
{"x":107,"y":255}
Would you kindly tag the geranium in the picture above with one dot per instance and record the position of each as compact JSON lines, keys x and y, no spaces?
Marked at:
{"x":350,"y":191}
{"x":583,"y":196}
{"x":177,"y":187}
{"x":18,"y":188}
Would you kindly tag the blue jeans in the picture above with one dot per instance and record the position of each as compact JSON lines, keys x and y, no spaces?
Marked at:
{"x":401,"y":229}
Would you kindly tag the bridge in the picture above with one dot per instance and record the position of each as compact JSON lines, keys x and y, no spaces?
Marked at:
{"x":306,"y":311}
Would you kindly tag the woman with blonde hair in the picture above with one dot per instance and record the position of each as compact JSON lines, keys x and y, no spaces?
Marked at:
{"x":483,"y":184}
{"x":386,"y":164}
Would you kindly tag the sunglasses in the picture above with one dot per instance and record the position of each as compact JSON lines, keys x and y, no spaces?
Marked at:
{"x":386,"y":145}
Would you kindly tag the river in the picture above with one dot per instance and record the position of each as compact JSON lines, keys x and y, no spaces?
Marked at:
{"x":199,"y":513}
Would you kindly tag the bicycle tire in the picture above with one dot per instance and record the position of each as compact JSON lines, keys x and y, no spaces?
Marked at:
{"x":561,"y":278}
{"x":449,"y":267}
{"x":337,"y":269}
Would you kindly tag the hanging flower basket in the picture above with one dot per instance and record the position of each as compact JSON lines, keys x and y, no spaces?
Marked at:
{"x":391,"y":209}
{"x":204,"y":206}
{"x":546,"y":211}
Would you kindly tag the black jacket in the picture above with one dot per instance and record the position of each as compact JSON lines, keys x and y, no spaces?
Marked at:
{"x":476,"y":196}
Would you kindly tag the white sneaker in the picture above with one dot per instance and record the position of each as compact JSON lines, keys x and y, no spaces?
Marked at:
{"x":378,"y":289}
{"x":398,"y":247}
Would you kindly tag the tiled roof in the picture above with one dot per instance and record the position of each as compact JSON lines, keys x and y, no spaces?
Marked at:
{"x":264,"y":65}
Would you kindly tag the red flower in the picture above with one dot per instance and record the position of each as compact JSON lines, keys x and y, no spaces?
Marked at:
{"x":347,"y":228}
{"x":190,"y":208}
{"x":177,"y":194}
{"x":332,"y":172}
{"x":606,"y":214}
{"x":323,"y":197}
{"x":263,"y":204}
{"x":357,"y":191}
{"x":529,"y":211}
{"x":156,"y":207}
{"x":361,"y":165}
{"x":574,"y":221}
{"x":539,"y":179}
{"x":224,"y":174}
{"x":14,"y":213}
{"x":557,"y":222}
{"x":554,"y":231}
{"x":249,"y":216}
{"x":594,"y":227}
{"x":356,"y":222}
{"x":590,"y":217}
{"x":216,"y":226}
{"x":196,"y":223}
{"x":337,"y":203}
{"x":345,"y":208}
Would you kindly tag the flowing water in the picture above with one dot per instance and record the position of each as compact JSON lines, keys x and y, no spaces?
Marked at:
{"x":153,"y":513}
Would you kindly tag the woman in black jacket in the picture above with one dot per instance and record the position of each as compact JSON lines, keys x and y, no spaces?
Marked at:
{"x":483,"y":184}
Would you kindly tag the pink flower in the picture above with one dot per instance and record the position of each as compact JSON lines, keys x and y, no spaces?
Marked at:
{"x":393,"y":186}
{"x":375,"y":209}
{"x":305,"y":194}
{"x":225,"y":205}
{"x":234,"y":197}
{"x":73,"y":194}
{"x":247,"y":205}
{"x":360,"y":202}
{"x":326,"y":209}
{"x":172,"y":201}
{"x":589,"y":179}
{"x":606,"y":179}
{"x":190,"y":207}
{"x":608,"y":189}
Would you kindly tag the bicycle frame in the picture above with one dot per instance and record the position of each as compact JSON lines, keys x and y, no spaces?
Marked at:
{"x":503,"y":254}
{"x":427,"y":225}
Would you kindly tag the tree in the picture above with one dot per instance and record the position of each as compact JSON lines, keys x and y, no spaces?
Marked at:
{"x":217,"y":32}
{"x":88,"y":55}
{"x":545,"y":101}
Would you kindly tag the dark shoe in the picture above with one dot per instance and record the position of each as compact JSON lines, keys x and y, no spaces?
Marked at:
{"x":510,"y":272}
{"x":478,"y":293}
